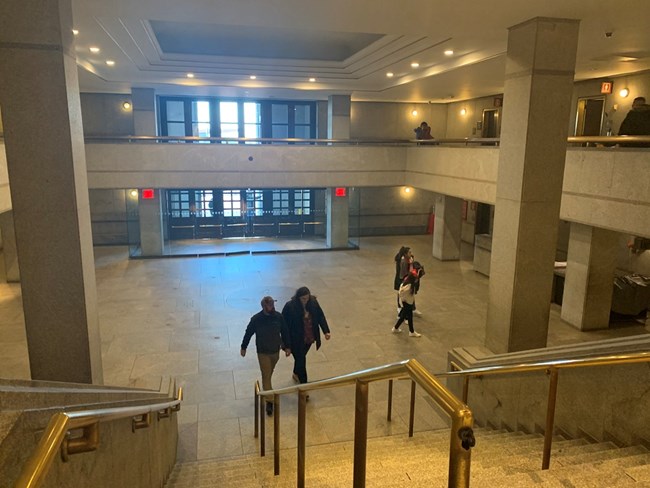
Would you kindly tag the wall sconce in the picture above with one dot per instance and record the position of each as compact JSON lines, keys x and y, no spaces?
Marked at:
{"x":414,"y":113}
{"x":624,"y":92}
{"x":463,"y":111}
{"x":133,"y":193}
{"x":126,"y":105}
{"x":408,"y":189}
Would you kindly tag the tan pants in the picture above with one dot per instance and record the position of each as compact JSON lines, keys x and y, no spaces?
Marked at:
{"x":267,"y":365}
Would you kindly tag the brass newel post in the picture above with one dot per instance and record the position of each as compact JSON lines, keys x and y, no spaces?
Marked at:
{"x":461,"y":442}
{"x":262,"y":427}
{"x":390,"y":400}
{"x":360,"y":434}
{"x":412,"y":409}
{"x":550,"y":417}
{"x":276,"y":434}
{"x":302,"y":434}
{"x":257,"y":411}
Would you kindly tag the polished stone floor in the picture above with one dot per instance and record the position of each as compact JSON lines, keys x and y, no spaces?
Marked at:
{"x":186,"y":317}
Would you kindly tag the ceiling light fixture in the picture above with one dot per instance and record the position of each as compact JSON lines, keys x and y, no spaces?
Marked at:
{"x":415,"y":64}
{"x":414,"y":113}
{"x":449,"y":52}
{"x":75,"y":32}
{"x":312,"y":80}
{"x":390,"y":74}
{"x":94,"y":49}
{"x":190,"y":75}
{"x":110,"y":62}
{"x":253,"y":77}
{"x":624,"y":92}
{"x":126,"y":105}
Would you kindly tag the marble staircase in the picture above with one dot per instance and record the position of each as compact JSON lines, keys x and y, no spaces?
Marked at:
{"x":500,"y":459}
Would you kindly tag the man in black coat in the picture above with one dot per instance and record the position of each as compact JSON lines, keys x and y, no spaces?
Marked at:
{"x":271,"y":335}
{"x":637,"y":122}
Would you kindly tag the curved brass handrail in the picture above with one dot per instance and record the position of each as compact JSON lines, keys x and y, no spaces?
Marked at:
{"x":53,"y":439}
{"x":639,"y":357}
{"x":552,"y":367}
{"x":461,"y":416}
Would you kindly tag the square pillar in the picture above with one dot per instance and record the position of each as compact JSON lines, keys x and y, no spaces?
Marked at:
{"x":537,"y":101}
{"x":337,"y":208}
{"x":447,"y":228}
{"x":338,"y":116}
{"x":151,"y":224}
{"x":9,"y":251}
{"x":41,"y":115}
{"x":589,"y":281}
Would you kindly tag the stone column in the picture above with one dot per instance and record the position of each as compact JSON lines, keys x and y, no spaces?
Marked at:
{"x":39,"y":94}
{"x":537,"y":101}
{"x":9,"y":251}
{"x":151,"y":225}
{"x":337,"y":219}
{"x":588,"y":285}
{"x":447,"y":228}
{"x":144,"y":111}
{"x":338,"y":116}
{"x":152,"y":240}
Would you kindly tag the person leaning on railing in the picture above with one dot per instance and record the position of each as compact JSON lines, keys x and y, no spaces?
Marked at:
{"x":636,"y":123}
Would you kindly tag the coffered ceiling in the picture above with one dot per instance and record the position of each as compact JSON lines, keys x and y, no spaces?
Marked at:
{"x":272,"y":48}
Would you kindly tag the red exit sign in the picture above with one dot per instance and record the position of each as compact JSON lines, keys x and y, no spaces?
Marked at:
{"x":339,"y":192}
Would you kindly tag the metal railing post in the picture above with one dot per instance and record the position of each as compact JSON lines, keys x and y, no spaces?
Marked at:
{"x":257,"y":411}
{"x":262,"y":427}
{"x":276,"y":434}
{"x":390,"y":400}
{"x":465,"y":388}
{"x":550,"y":417}
{"x":302,"y":435}
{"x":412,"y":409}
{"x":360,"y":434}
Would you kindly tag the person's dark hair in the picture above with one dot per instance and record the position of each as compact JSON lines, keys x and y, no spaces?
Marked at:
{"x":301,"y":292}
{"x":639,"y":99}
{"x":402,"y":252}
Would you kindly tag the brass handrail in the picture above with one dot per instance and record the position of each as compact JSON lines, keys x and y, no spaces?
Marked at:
{"x":552,"y":368}
{"x":54,"y":437}
{"x":461,"y":416}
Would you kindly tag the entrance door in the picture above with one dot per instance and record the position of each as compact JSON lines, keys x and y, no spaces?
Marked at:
{"x":589,"y":118}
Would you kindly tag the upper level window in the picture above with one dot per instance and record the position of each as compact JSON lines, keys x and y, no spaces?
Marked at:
{"x":213,"y":117}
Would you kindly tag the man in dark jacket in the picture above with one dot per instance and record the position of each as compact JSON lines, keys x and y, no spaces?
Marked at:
{"x":637,"y":122}
{"x":271,"y":335}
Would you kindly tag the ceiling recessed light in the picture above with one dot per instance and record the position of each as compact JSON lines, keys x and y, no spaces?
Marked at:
{"x":190,"y":75}
{"x":390,"y":74}
{"x":449,"y":52}
{"x":94,"y":49}
{"x":415,"y":64}
{"x":110,"y":62}
{"x":75,"y":32}
{"x":253,"y":77}
{"x":312,"y":80}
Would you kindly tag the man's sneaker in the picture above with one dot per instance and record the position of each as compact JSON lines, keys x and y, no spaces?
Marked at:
{"x":417,"y":312}
{"x":414,"y":334}
{"x":395,"y":331}
{"x":269,"y":408}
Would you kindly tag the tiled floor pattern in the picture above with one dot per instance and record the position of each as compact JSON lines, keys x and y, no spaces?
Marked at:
{"x":186,"y":317}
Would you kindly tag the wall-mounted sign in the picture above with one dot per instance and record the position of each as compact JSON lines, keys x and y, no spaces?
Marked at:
{"x":498,"y":102}
{"x":339,"y":192}
{"x":148,"y":193}
{"x":606,"y":87}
